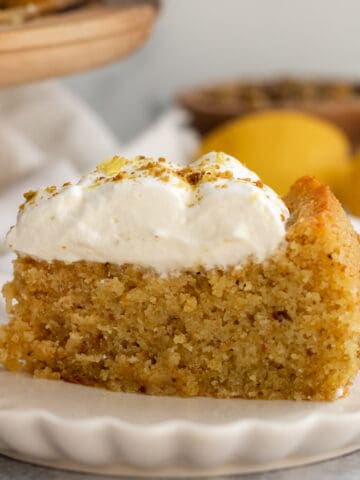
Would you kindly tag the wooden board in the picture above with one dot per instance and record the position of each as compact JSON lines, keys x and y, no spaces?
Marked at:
{"x":74,"y":41}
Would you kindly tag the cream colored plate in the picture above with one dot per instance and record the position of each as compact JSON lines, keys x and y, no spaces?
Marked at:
{"x":82,"y":428}
{"x":74,"y":41}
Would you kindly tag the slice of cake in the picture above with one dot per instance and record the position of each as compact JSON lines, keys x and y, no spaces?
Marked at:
{"x":154,"y":278}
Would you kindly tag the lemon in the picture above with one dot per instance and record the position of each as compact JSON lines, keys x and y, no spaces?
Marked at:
{"x":281,"y":146}
{"x":350,"y":192}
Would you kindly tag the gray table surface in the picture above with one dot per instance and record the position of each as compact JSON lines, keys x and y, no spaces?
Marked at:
{"x":344,"y":468}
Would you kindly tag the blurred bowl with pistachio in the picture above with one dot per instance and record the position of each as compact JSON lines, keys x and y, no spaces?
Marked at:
{"x":337,"y":101}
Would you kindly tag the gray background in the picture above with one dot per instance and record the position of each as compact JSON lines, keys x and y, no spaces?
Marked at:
{"x":205,"y":40}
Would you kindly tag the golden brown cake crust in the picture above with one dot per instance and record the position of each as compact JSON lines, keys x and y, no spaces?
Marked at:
{"x":286,"y":328}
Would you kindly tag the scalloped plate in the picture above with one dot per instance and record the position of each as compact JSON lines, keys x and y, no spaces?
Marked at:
{"x":83,"y":428}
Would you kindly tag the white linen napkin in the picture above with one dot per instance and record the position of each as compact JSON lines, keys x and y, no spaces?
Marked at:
{"x":55,"y":124}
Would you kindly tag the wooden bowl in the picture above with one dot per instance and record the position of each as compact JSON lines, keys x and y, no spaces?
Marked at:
{"x":211,"y":106}
{"x":73,"y":41}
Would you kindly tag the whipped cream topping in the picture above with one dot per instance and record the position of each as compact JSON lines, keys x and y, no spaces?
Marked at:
{"x":153,"y":213}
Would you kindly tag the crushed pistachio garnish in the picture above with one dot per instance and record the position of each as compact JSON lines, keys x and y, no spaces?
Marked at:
{"x":30,"y":195}
{"x":29,"y":198}
{"x":118,"y":168}
{"x":189,"y":176}
{"x":111,"y":166}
